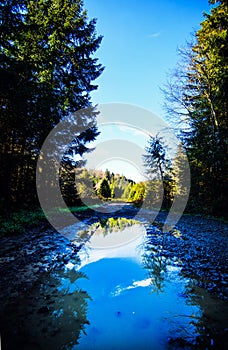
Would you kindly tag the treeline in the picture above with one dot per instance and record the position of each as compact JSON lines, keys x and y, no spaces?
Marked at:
{"x":89,"y":185}
{"x":197,"y":103}
{"x":166,"y":178}
{"x":47,"y":69}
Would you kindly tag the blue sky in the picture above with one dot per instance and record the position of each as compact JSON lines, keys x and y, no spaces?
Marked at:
{"x":139,"y":46}
{"x":140,"y":41}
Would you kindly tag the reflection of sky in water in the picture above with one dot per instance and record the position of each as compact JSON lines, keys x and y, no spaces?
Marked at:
{"x":90,"y":255}
{"x":115,"y":238}
{"x":125,"y":311}
{"x":122,"y":297}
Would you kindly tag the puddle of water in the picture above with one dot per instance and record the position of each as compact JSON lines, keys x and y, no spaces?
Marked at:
{"x":126,"y":310}
{"x":122,"y":295}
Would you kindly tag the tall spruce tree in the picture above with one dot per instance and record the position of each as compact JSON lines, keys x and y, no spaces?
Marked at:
{"x":47,"y":66}
{"x":159,"y":171}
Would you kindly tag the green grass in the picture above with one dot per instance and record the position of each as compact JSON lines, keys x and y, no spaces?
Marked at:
{"x":78,"y":208}
{"x":20,"y":221}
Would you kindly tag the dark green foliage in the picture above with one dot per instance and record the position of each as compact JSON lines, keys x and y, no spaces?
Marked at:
{"x":159,"y":170}
{"x":20,"y":221}
{"x":47,"y":70}
{"x":104,"y":190}
{"x":197,"y":96}
{"x":155,"y":158}
{"x":68,"y":186}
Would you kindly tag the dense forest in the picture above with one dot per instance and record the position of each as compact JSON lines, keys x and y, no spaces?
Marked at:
{"x":196,"y":104}
{"x":47,"y":72}
{"x":47,"y":69}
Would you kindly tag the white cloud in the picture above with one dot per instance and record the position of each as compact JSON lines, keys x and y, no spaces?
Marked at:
{"x":119,"y":290}
{"x":155,"y":35}
{"x":133,"y":131}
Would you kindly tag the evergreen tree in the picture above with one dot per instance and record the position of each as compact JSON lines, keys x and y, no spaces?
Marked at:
{"x":197,"y":96}
{"x":107,"y":175}
{"x":159,"y":171}
{"x":104,"y":190}
{"x":155,"y":158}
{"x":47,"y":69}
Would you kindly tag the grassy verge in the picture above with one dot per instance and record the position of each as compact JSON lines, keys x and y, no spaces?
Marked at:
{"x":22,"y":220}
{"x":76,"y":209}
{"x":19,"y":222}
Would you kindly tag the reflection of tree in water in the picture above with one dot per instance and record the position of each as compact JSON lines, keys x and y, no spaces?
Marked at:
{"x":106,"y":226}
{"x":212,"y":323}
{"x":206,"y":329}
{"x":50,"y":316}
{"x":209,"y":325}
{"x":156,"y":264}
{"x":156,"y":256}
